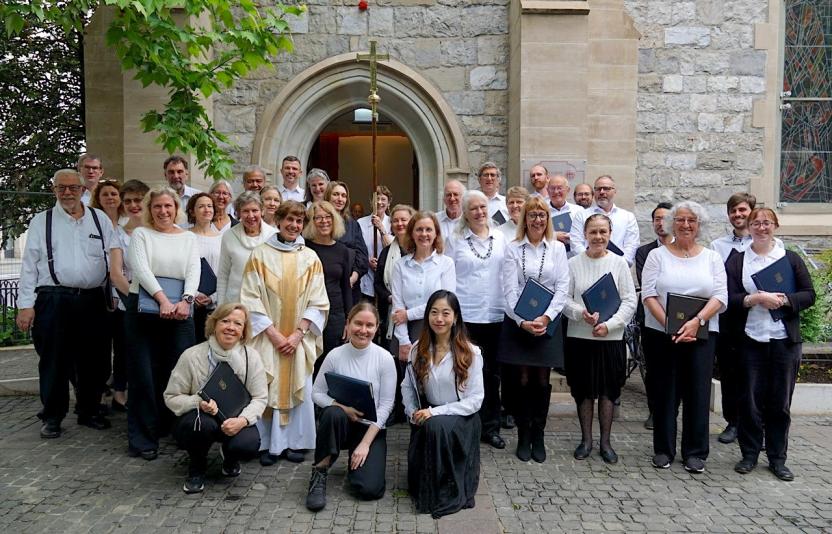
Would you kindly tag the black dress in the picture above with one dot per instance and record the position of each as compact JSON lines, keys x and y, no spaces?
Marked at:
{"x":354,"y":239}
{"x":337,"y":269}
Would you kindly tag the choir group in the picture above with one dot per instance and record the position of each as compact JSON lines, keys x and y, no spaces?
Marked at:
{"x":450,"y":322}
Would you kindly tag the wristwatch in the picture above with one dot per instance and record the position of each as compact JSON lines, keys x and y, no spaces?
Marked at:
{"x":701,"y":320}
{"x":188,"y":298}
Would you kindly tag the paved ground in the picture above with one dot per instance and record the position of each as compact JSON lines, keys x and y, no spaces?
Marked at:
{"x":84,"y":482}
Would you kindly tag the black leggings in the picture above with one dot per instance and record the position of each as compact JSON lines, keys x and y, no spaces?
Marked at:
{"x":196,"y":437}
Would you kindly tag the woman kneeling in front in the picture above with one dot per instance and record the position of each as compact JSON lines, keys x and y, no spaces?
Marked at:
{"x":442,"y":392}
{"x":340,"y":426}
{"x":196,"y":428}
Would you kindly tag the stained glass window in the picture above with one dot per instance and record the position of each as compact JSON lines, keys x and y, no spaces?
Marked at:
{"x":806,"y":133}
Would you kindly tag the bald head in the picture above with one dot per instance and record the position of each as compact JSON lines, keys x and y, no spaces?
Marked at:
{"x":452,"y":198}
{"x":558,"y":190}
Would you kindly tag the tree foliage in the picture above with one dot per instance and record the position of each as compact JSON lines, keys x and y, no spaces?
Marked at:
{"x":41,"y":124}
{"x":193,"y":48}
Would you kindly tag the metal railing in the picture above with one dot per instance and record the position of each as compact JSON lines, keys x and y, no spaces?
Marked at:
{"x":10,"y":334}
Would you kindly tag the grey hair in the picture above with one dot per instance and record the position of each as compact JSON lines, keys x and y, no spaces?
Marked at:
{"x":251,"y":169}
{"x":317,"y":173}
{"x":218,"y":183}
{"x":455,"y":182}
{"x":469,"y":196}
{"x":247,"y":197}
{"x":695,"y":208}
{"x":61,"y":172}
{"x":490,"y":165}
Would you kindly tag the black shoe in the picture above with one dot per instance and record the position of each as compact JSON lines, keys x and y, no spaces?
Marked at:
{"x":661,"y":461}
{"x":294,"y":456}
{"x":50,"y":430}
{"x":267,"y":459}
{"x":524,"y":445}
{"x":507,"y":422}
{"x":695,"y":465}
{"x":194,"y":484}
{"x":495,"y":441}
{"x":116,"y":406}
{"x":648,"y":423}
{"x":609,"y":456}
{"x":316,"y":497}
{"x":782,"y":472}
{"x":745,"y":466}
{"x":538,"y":446}
{"x":729,"y":435}
{"x":149,"y":454}
{"x":96,"y":422}
{"x":231,"y":468}
{"x":582,"y":451}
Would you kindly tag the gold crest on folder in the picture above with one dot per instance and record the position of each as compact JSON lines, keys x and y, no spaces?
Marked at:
{"x":680,"y":316}
{"x":533,"y":303}
{"x":223,"y":385}
{"x":778,"y":277}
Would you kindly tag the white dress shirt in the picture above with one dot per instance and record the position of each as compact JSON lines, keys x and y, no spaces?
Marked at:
{"x":624,"y":230}
{"x":295,"y":194}
{"x":76,"y":250}
{"x":725,"y":244}
{"x":447,"y":225}
{"x":546,"y":263}
{"x":414,"y":282}
{"x":566,"y":208}
{"x":760,"y":326}
{"x":478,"y":265}
{"x":497,"y":203}
{"x":509,"y":230}
{"x":372,"y":364}
{"x":187,"y":194}
{"x":367,"y":231}
{"x":440,"y":389}
{"x":702,"y":276}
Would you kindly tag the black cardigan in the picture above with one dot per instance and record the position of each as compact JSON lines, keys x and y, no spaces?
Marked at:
{"x":737,"y":314}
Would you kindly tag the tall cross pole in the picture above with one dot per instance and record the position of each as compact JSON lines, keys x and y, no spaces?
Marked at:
{"x":373,"y":57}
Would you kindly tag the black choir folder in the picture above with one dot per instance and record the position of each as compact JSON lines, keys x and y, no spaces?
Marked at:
{"x":533,"y":301}
{"x":498,"y":217}
{"x":602,"y":297}
{"x":227,"y":390}
{"x":562,"y":222}
{"x":612,"y":247}
{"x":207,"y":279}
{"x":681,"y":309}
{"x":354,"y":393}
{"x":776,"y":278}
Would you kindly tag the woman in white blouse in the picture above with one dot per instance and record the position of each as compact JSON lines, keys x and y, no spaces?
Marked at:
{"x":442,"y":393}
{"x":238,"y":243}
{"x":478,"y":251}
{"x":771,"y":350}
{"x":416,"y":276}
{"x":200,"y":212}
{"x":160,"y":249}
{"x":340,"y":426}
{"x":222,"y":193}
{"x":528,"y":348}
{"x":595,"y":352}
{"x":516,"y":198}
{"x":681,"y":365}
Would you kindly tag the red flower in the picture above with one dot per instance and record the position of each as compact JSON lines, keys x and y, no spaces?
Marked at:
{"x":362,"y":5}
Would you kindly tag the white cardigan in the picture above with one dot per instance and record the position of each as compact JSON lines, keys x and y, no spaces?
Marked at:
{"x":234,"y":252}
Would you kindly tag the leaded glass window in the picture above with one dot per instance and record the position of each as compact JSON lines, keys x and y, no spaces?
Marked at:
{"x":806,"y":132}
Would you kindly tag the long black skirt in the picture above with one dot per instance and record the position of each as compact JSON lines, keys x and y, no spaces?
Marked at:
{"x":595,"y":368}
{"x":443,"y":464}
{"x":518,"y":347}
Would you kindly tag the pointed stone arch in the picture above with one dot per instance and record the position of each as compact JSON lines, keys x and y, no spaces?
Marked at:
{"x":292,"y":121}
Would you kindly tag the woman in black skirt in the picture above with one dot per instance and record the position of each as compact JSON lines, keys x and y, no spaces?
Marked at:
{"x":595,"y":352}
{"x":442,"y":392}
{"x":527,"y":350}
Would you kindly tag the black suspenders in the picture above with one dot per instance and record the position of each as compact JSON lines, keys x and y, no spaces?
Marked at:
{"x":50,"y":260}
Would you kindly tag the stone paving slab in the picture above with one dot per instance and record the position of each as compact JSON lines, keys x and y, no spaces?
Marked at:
{"x":84,"y":482}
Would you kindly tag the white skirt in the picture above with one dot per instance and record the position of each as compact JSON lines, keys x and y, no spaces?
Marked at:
{"x":298,"y":434}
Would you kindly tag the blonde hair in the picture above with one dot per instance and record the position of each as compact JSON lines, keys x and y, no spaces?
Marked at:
{"x":158,"y":191}
{"x":534,"y":204}
{"x":223,"y":311}
{"x":310,"y":232}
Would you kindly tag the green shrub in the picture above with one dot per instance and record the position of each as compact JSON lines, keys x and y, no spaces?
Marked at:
{"x":815,"y":324}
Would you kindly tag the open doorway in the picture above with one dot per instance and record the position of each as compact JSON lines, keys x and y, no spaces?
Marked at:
{"x":344,"y":150}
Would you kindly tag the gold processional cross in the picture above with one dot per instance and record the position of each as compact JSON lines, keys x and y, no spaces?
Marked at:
{"x":373,"y":57}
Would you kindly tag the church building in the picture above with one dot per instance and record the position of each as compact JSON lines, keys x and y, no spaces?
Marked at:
{"x":675,"y":99}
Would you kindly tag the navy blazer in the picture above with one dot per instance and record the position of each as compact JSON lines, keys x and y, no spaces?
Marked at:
{"x":737,"y":315}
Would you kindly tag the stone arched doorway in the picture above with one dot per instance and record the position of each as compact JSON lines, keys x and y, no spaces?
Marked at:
{"x":290,"y":124}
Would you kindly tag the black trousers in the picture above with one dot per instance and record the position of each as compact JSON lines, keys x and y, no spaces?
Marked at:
{"x":335,"y":433}
{"x":652,"y":343}
{"x":197,"y":436}
{"x":116,"y":339}
{"x":201,"y":314}
{"x":69,"y":337}
{"x":770,"y":372}
{"x":487,"y":337}
{"x":681,"y":372}
{"x":730,"y":377}
{"x":154,"y":346}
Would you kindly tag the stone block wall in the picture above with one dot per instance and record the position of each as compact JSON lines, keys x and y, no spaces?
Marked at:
{"x":699,"y":75}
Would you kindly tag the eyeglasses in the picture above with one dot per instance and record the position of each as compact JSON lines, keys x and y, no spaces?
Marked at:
{"x":683,"y":220}
{"x":72,"y":188}
{"x":604,"y":188}
{"x":322,"y":218}
{"x":762,"y":224}
{"x":537,"y":216}
{"x":557,"y":188}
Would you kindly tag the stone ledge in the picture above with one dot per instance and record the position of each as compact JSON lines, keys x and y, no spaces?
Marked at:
{"x":808,"y":399}
{"x":557,"y":7}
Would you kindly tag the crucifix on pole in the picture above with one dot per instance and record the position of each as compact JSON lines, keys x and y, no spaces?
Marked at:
{"x":373,"y":57}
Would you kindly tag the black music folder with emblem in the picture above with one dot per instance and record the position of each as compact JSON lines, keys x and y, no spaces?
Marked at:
{"x":354,"y":393}
{"x":227,"y":390}
{"x":498,"y":217}
{"x":602,"y":297}
{"x":776,"y":278}
{"x":562,"y":222}
{"x":533,"y":301}
{"x":681,"y":309}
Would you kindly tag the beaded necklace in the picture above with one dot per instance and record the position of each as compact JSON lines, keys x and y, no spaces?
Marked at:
{"x":542,"y":261}
{"x":470,"y":240}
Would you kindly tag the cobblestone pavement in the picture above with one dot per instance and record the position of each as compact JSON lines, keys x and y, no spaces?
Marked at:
{"x":84,"y":482}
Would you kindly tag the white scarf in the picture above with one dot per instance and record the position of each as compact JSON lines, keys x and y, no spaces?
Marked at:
{"x":393,"y":256}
